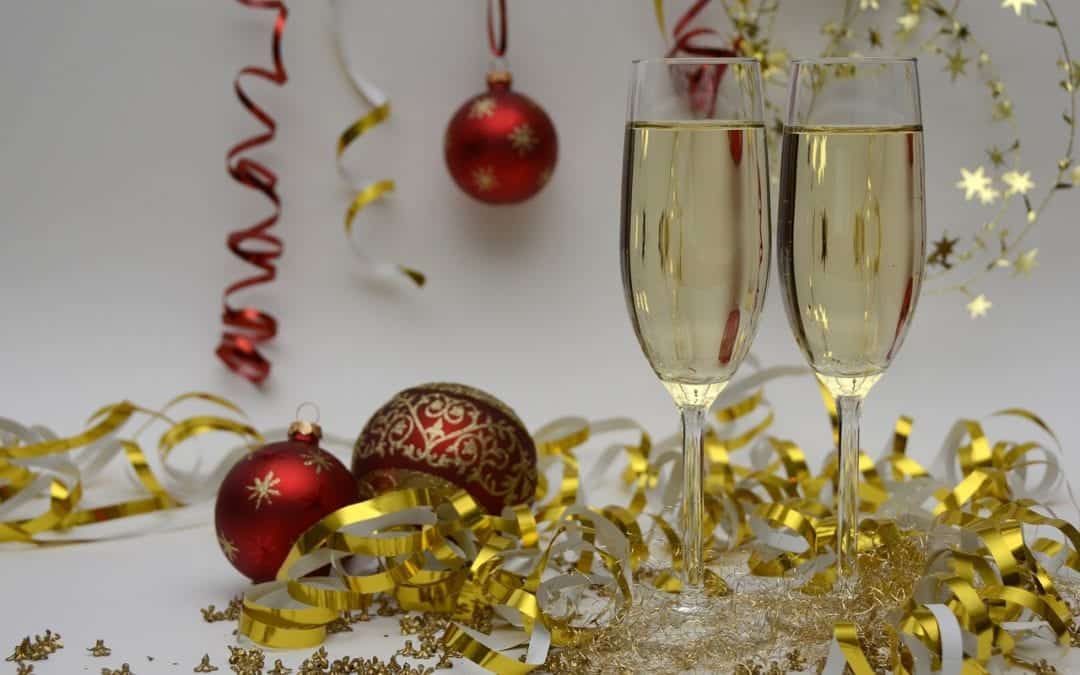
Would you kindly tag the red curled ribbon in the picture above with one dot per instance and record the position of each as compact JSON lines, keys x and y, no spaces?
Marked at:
{"x":702,"y":81}
{"x":498,"y":46}
{"x":247,"y":327}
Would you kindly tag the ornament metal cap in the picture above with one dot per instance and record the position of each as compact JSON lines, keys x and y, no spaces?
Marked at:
{"x":499,"y":79}
{"x":303,"y":430}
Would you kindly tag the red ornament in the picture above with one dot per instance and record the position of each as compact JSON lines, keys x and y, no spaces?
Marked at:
{"x":500,"y":146}
{"x":451,"y":436}
{"x":273,"y":495}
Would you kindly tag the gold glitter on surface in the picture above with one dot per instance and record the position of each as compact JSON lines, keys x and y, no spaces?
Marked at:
{"x":210,"y":614}
{"x":37,"y":649}
{"x":99,"y":649}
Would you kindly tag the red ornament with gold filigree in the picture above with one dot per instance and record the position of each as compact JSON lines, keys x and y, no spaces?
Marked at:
{"x":273,"y":495}
{"x":450,"y":436}
{"x":500,"y":146}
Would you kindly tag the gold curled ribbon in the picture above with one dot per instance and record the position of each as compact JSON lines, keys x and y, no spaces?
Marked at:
{"x":61,"y":482}
{"x":380,"y":112}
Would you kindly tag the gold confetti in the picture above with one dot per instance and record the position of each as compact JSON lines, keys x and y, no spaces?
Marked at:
{"x":24,"y":669}
{"x":232,"y":613}
{"x":279,"y":669}
{"x":979,"y":306}
{"x":99,"y":649}
{"x":1025,"y":262}
{"x":1019,"y":183}
{"x":205,"y":666}
{"x":246,"y":661}
{"x":1017,"y":5}
{"x":37,"y":649}
{"x":124,"y":669}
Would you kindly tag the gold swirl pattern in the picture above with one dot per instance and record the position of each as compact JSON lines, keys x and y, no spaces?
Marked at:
{"x":456,"y":433}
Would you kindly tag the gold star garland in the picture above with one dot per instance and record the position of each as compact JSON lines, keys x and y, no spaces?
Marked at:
{"x":997,"y":243}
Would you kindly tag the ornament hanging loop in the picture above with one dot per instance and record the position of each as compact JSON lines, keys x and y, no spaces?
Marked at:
{"x":305,"y":430}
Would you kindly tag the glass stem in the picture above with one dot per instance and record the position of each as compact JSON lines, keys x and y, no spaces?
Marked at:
{"x":693,"y":505}
{"x":847,"y":496}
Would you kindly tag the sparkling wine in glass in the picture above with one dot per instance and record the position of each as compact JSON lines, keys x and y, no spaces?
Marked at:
{"x":695,"y":246}
{"x":850,"y":243}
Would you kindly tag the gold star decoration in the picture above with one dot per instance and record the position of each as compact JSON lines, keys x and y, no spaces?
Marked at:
{"x":997,"y":157}
{"x":957,"y":64}
{"x":875,"y":38}
{"x":522,"y":139}
{"x":1017,"y":5}
{"x":996,"y":88}
{"x":264,"y":489}
{"x":1003,"y":109}
{"x":975,"y":183}
{"x":908,"y":24}
{"x":943,"y":251}
{"x":1019,"y":183}
{"x":979,"y":306}
{"x":316,"y":459}
{"x":99,"y":649}
{"x":481,"y":108}
{"x":868,"y":4}
{"x":485,"y":179}
{"x":228,"y":548}
{"x":204,"y":666}
{"x":1025,"y":262}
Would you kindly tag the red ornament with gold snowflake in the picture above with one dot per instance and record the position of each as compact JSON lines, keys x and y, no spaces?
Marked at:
{"x":272,"y":495}
{"x":501,"y":147}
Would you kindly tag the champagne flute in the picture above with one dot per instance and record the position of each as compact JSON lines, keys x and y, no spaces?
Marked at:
{"x":850,"y":243}
{"x":695,"y":246}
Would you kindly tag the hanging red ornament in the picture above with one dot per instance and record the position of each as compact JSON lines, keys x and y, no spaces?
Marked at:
{"x":273,"y":495}
{"x":500,"y":145}
{"x":448,"y":436}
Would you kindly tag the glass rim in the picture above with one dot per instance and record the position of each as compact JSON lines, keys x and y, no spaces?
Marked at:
{"x":695,"y":60}
{"x":852,"y":60}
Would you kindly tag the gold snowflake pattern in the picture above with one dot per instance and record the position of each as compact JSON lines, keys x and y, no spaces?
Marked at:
{"x":316,"y":459}
{"x":485,"y":179}
{"x":522,"y":139}
{"x":481,"y":108}
{"x":264,"y":489}
{"x":227,"y":547}
{"x":979,"y":306}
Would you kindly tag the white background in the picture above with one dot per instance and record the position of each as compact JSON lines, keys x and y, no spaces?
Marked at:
{"x":114,"y":206}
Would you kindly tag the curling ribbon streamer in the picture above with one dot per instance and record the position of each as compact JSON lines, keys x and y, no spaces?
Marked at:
{"x":369,"y":190}
{"x":436,"y":550}
{"x":36,"y":467}
{"x":247,"y":327}
{"x":702,"y":81}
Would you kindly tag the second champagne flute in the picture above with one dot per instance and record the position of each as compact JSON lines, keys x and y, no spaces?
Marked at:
{"x":695,"y":248}
{"x":850,"y":240}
